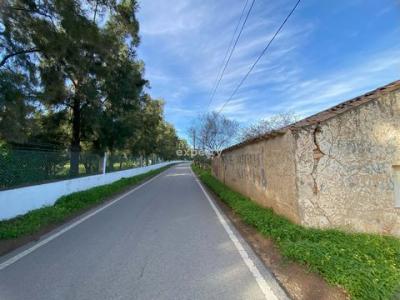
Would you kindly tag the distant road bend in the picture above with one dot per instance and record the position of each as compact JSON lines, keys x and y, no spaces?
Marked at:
{"x":164,"y":240}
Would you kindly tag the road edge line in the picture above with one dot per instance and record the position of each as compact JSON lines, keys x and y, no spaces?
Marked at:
{"x":265,"y":288}
{"x":38,"y":245}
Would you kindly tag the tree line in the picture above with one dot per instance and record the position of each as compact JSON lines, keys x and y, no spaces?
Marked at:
{"x":70,"y":79}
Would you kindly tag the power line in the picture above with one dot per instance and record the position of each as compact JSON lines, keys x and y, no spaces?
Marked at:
{"x":232,"y":50}
{"x":259,"y":57}
{"x":226,"y":54}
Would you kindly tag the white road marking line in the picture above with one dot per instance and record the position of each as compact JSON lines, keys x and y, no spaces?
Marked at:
{"x":24,"y":253}
{"x":265,"y":288}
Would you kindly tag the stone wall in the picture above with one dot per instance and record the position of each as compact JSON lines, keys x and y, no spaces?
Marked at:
{"x":345,"y":168}
{"x":335,"y":171}
{"x":265,"y":172}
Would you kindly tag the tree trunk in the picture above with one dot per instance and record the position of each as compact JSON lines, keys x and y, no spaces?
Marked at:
{"x":76,"y":138}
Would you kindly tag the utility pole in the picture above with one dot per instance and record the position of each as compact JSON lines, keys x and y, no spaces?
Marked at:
{"x":192,"y":132}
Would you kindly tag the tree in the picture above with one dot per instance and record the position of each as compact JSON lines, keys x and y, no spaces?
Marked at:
{"x":70,"y":78}
{"x":144,"y":142}
{"x":112,"y":125}
{"x":265,"y":126}
{"x":183,"y":151}
{"x":216,"y":132}
{"x":15,"y":107}
{"x":168,"y":142}
{"x":81,"y":64}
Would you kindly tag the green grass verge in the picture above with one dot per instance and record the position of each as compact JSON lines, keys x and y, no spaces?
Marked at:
{"x":67,"y":206}
{"x":367,"y":266}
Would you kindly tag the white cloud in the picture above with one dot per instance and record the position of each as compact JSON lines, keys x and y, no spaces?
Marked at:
{"x":184,"y":42}
{"x":169,"y":17}
{"x":182,"y":111}
{"x":310,"y":96}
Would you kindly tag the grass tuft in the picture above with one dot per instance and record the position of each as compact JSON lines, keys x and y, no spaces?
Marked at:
{"x":67,"y":206}
{"x":367,"y":266}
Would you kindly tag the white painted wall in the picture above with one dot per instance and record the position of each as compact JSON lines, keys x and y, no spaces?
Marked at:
{"x":21,"y":200}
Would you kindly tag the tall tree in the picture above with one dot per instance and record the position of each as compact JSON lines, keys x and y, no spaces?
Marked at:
{"x":168,"y":142}
{"x":78,"y":61}
{"x":15,"y":107}
{"x":151,"y":118}
{"x":70,"y":78}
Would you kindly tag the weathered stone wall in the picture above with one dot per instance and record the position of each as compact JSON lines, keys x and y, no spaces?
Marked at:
{"x":345,"y":168}
{"x":265,"y":172}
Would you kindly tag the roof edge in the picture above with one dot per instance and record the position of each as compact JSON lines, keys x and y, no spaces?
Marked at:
{"x":324,"y":115}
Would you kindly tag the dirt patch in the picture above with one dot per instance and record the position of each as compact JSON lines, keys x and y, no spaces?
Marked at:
{"x":296,"y":279}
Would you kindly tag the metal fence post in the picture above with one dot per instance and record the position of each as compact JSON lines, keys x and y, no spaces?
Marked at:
{"x":104,"y":162}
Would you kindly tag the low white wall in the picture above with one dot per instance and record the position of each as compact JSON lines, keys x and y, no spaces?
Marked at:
{"x":21,"y":200}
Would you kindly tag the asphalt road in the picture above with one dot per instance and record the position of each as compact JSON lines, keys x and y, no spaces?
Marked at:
{"x":165,"y":240}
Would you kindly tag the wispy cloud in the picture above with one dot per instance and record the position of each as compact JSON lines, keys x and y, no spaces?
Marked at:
{"x":325,"y":54}
{"x":162,"y":18}
{"x":309,"y":96}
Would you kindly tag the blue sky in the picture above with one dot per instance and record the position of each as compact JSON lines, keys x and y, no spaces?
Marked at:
{"x":328,"y":52}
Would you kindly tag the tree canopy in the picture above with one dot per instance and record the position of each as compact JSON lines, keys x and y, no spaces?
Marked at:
{"x":70,"y":78}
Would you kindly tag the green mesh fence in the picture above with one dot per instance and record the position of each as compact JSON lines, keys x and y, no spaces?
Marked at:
{"x":23,"y":167}
{"x":118,"y":162}
{"x":19,"y":167}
